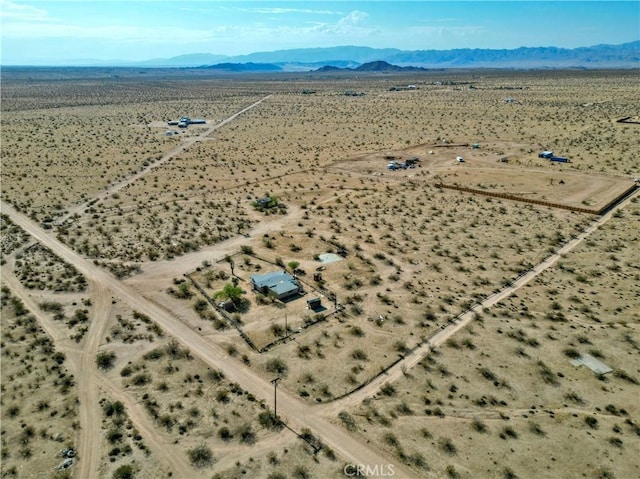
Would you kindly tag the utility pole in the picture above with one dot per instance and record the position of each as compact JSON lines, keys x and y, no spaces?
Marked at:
{"x":286,"y":329}
{"x":275,"y":397}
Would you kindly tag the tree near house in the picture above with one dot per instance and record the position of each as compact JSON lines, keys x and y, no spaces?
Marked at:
{"x":293,"y":265}
{"x":231,"y":293}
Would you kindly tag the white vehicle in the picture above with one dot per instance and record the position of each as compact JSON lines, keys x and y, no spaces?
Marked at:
{"x":459,"y":159}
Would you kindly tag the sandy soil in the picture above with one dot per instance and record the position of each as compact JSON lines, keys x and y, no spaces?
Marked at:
{"x":105,"y":190}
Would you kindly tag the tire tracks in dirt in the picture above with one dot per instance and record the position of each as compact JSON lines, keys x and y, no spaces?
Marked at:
{"x":88,"y":394}
{"x":300,"y":414}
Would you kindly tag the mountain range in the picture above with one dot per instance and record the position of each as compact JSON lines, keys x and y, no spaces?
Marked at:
{"x":626,"y":55}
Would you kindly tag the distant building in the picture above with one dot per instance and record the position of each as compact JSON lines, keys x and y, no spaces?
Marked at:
{"x":185,"y":121}
{"x":279,"y":283}
{"x":265,"y":202}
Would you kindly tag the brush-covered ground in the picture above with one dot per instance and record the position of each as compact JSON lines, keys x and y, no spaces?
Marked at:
{"x":415,"y":256}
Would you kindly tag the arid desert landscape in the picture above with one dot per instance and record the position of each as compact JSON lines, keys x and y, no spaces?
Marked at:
{"x":335,"y":275}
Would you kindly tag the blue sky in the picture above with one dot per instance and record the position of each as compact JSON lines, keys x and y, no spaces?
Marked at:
{"x":57,"y":32}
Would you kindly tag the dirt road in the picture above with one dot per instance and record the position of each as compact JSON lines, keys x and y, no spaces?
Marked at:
{"x":79,"y":209}
{"x":299,"y":414}
{"x":88,"y":394}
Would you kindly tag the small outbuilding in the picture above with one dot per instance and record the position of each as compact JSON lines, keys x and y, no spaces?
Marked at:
{"x":314,"y":303}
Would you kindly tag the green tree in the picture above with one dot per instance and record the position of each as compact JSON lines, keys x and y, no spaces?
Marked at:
{"x":293,"y":265}
{"x":230,"y":292}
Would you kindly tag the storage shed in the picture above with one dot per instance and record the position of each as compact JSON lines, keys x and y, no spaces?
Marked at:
{"x":314,"y":303}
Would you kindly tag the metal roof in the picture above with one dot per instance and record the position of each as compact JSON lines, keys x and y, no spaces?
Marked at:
{"x":280,"y":282}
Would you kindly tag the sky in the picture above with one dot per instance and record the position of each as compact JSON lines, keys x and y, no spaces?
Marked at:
{"x":53,"y":32}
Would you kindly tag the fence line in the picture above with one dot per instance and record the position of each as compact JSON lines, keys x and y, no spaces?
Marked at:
{"x":549,"y":204}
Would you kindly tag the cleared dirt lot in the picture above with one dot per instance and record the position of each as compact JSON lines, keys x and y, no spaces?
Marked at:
{"x":414,"y":257}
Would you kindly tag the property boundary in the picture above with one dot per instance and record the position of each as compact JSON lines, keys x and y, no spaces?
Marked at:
{"x":549,"y":204}
{"x":318,"y":318}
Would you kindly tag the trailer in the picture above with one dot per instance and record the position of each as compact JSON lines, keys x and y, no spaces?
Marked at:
{"x":559,"y":159}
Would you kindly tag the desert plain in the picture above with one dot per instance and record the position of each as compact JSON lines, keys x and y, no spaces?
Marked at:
{"x":447,"y":312}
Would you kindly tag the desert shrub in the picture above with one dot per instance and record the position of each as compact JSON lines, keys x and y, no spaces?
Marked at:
{"x":225,"y":434}
{"x":222,"y":395}
{"x":359,"y":354}
{"x":418,"y":460}
{"x":508,"y":431}
{"x":357,"y":331}
{"x":174,"y":350}
{"x":111,"y":408}
{"x":535,"y":428}
{"x":154,"y":354}
{"x":347,"y":421}
{"x":269,"y":420}
{"x":247,"y":435}
{"x":574,"y":397}
{"x":401,"y":347}
{"x":141,"y":379}
{"x":447,"y":446}
{"x":114,"y":435}
{"x":616,"y":442}
{"x":200,"y":456}
{"x":546,"y":373}
{"x":571,"y":353}
{"x":404,"y":408}
{"x":126,"y":471}
{"x":451,"y":472}
{"x":391,"y":439}
{"x":591,"y":421}
{"x":387,"y":389}
{"x":452,"y":343}
{"x":277,"y":366}
{"x":622,"y":374}
{"x":509,"y":474}
{"x":105,"y":360}
{"x":13,"y":411}
{"x":478,"y":425}
{"x":308,"y":436}
{"x":300,"y":472}
{"x":604,"y":473}
{"x":166,"y":421}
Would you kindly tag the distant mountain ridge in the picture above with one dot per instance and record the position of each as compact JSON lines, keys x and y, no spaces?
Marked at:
{"x":626,"y":55}
{"x":377,"y":66}
{"x":244,"y":67}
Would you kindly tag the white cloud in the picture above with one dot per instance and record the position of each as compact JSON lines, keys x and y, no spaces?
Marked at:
{"x":22,"y":13}
{"x":280,"y":11}
{"x":442,"y":31}
{"x":353,"y":18}
{"x":114,"y":33}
